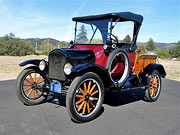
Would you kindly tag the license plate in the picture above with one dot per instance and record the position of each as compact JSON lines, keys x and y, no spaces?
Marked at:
{"x":55,"y":87}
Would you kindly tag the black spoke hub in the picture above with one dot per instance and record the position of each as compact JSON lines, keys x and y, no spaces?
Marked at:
{"x":86,"y":98}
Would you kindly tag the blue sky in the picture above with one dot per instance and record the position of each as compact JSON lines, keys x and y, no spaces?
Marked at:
{"x":52,"y":18}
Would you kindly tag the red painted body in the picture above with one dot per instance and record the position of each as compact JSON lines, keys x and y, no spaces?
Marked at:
{"x":101,"y":58}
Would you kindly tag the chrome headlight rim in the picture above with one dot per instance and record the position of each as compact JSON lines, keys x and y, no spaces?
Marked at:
{"x":67,"y":68}
{"x":42,"y":65}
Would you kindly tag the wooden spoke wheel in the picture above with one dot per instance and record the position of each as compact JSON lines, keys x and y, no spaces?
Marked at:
{"x":85,"y":97}
{"x":29,"y":88}
{"x":154,"y":89}
{"x":32,"y":85}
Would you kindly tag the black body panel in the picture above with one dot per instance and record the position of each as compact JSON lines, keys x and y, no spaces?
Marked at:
{"x":81,"y":69}
{"x":59,"y":57}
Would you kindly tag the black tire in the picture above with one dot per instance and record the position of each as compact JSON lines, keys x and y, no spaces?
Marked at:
{"x":153,"y":91}
{"x":75,"y":107}
{"x":25,"y":89}
{"x":119,"y":82}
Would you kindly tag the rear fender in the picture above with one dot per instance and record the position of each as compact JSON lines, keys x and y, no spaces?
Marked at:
{"x":145,"y":74}
{"x":81,"y":69}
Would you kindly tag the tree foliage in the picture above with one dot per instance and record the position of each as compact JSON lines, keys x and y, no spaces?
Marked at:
{"x":151,"y":45}
{"x":163,"y":53}
{"x":10,"y":45}
{"x":175,"y":52}
{"x":82,"y":36}
{"x":127,"y":39}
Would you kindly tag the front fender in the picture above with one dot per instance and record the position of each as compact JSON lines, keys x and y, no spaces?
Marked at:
{"x":32,"y":61}
{"x":81,"y":69}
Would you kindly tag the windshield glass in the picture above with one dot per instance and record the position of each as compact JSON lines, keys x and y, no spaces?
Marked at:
{"x":92,"y":32}
{"x":123,"y":31}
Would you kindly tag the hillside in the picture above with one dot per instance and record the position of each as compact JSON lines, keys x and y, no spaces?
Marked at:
{"x":160,"y":45}
{"x":44,"y":41}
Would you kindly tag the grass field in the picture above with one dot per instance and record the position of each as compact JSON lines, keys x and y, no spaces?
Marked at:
{"x":9,"y":68}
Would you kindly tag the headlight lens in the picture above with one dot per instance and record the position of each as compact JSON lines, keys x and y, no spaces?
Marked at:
{"x":67,"y":68}
{"x":42,"y":65}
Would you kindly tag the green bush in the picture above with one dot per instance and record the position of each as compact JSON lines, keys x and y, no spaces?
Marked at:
{"x":163,"y":53}
{"x":14,"y":46}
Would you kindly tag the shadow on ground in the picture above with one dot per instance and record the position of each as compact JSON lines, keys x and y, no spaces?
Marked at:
{"x":114,"y":98}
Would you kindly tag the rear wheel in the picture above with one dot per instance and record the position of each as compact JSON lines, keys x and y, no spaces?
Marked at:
{"x":29,"y":86}
{"x":85,"y":97}
{"x":153,"y":91}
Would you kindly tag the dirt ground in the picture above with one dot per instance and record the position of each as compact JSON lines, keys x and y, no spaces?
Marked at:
{"x":9,"y":65}
{"x":9,"y":68}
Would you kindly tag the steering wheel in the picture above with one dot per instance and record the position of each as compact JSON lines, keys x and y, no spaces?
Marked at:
{"x":113,"y":38}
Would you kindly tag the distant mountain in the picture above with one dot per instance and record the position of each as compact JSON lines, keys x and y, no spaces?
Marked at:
{"x":160,"y":45}
{"x":44,"y":41}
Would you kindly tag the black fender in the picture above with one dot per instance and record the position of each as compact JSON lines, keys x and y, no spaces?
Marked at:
{"x":145,"y":74}
{"x":34,"y":62}
{"x":81,"y":69}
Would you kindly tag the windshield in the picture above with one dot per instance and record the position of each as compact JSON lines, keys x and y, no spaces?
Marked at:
{"x":92,"y":32}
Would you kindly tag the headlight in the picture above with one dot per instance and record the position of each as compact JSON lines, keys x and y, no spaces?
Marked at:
{"x":42,"y":65}
{"x":67,"y":68}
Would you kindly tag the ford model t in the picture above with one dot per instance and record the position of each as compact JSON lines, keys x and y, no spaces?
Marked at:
{"x":89,"y":67}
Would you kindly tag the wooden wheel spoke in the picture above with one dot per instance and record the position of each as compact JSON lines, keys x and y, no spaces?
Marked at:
{"x":33,"y":92}
{"x":79,"y":108}
{"x":79,"y":101}
{"x":37,"y":93}
{"x":27,"y":85}
{"x":92,"y":104}
{"x":31,"y":78}
{"x":89,"y":86}
{"x":92,"y":88}
{"x":85,"y":89}
{"x":34,"y":77}
{"x":94,"y":92}
{"x":38,"y":78}
{"x":81,"y":91}
{"x":88,"y":107}
{"x":79,"y":96}
{"x":41,"y":81}
{"x":28,"y":81}
{"x":29,"y":93}
{"x":84,"y":108}
{"x":95,"y":98}
{"x":153,"y":92}
{"x":27,"y":89}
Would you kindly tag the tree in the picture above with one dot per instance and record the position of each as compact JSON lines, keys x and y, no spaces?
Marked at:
{"x":163,"y":53}
{"x":151,"y":45}
{"x":9,"y":45}
{"x":127,"y":39}
{"x":82,"y":36}
{"x":175,"y":52}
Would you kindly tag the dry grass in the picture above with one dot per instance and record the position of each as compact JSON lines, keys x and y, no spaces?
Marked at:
{"x":172,"y":69}
{"x":9,"y":67}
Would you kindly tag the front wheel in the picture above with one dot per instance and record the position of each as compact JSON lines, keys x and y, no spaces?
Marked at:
{"x":85,"y":97}
{"x":29,"y":86}
{"x":153,"y":91}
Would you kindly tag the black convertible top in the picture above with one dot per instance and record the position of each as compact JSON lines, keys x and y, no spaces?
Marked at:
{"x":121,"y":16}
